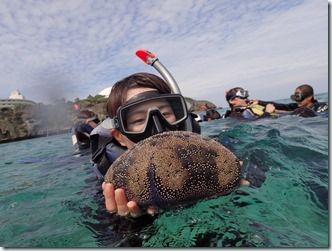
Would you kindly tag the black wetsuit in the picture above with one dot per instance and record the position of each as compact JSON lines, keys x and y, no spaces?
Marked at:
{"x":105,"y":150}
{"x":318,"y":108}
{"x":82,"y":131}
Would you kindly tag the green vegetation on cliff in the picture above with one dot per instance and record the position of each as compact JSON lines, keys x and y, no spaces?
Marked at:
{"x":26,"y":121}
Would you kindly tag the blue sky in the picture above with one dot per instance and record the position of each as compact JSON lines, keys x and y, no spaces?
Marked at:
{"x":74,"y":48}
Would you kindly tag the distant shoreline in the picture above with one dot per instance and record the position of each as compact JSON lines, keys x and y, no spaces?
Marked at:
{"x":46,"y":134}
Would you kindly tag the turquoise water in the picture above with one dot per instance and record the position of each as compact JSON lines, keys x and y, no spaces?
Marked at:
{"x":50,"y":197}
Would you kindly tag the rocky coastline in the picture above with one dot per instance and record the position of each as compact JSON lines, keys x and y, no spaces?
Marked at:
{"x":31,"y":121}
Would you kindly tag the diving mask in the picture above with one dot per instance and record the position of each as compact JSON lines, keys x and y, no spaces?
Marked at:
{"x":149,"y":113}
{"x":240,"y":93}
{"x":297,"y":97}
{"x":91,"y":119}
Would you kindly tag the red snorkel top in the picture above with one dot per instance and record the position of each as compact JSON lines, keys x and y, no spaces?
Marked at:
{"x":149,"y":58}
{"x":146,"y":56}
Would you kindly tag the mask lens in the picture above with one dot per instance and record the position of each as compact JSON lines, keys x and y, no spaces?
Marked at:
{"x":134,"y":117}
{"x":243,"y":94}
{"x":297,"y":96}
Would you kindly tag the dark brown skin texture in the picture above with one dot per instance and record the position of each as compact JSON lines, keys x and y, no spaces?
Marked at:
{"x":175,"y":168}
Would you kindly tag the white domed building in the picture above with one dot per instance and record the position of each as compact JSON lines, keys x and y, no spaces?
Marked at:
{"x":16,"y":95}
{"x":106,"y":92}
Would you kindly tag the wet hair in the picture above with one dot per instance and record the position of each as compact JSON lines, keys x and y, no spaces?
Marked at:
{"x":231,"y":93}
{"x":118,"y":94}
{"x":86,"y":114}
{"x":306,"y":91}
{"x":212,"y":114}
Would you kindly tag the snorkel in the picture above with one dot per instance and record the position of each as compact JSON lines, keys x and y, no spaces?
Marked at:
{"x":150,"y":59}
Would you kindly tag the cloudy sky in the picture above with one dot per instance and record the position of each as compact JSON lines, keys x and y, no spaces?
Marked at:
{"x":75,"y":48}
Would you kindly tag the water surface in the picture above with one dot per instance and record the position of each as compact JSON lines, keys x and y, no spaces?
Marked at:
{"x":50,"y":197}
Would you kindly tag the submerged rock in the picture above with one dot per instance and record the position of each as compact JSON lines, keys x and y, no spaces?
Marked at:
{"x":175,"y":168}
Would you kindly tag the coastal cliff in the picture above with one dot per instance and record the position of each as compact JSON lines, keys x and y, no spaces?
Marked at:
{"x":29,"y":121}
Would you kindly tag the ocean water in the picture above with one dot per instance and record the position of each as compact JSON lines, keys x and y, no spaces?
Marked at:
{"x":50,"y":197}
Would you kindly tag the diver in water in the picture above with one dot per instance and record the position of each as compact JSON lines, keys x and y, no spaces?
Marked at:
{"x":108,"y":145}
{"x":306,"y":105}
{"x":138,"y":106}
{"x":241,"y":107}
{"x":211,"y":114}
{"x":85,"y":122}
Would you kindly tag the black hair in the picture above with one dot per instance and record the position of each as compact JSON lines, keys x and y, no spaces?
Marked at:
{"x":212,"y":114}
{"x":306,"y":91}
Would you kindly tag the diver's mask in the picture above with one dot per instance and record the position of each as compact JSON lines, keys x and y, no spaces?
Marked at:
{"x":243,"y":94}
{"x":297,"y":97}
{"x":91,"y":119}
{"x":149,"y":113}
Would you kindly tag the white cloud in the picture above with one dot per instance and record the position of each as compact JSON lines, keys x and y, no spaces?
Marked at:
{"x":81,"y":47}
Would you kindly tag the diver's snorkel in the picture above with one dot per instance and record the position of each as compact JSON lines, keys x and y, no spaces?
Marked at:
{"x":149,"y":58}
